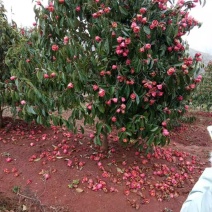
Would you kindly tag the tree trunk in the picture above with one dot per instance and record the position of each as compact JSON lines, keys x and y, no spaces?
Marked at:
{"x":104,"y":147}
{"x":1,"y":119}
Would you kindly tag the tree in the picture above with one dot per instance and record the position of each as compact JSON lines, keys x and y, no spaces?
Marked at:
{"x":8,"y":36}
{"x":203,"y":97}
{"x":124,"y":62}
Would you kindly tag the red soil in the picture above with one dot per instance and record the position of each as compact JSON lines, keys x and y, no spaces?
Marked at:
{"x":54,"y":170}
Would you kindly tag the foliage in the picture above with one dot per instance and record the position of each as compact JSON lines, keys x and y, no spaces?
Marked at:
{"x":123,"y":62}
{"x":202,"y":98}
{"x":8,"y":36}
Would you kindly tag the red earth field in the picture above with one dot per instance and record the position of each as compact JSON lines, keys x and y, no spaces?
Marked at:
{"x":54,"y":170}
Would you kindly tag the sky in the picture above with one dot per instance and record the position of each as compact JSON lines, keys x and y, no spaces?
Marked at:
{"x":199,"y":38}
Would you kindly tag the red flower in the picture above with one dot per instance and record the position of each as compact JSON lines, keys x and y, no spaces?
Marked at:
{"x":142,"y":10}
{"x":171,"y":71}
{"x":95,"y":87}
{"x":70,"y":85}
{"x":55,"y":47}
{"x":147,"y":46}
{"x":78,"y":9}
{"x":101,"y":92}
{"x":132,"y":96}
{"x":113,"y":119}
{"x":97,"y":39}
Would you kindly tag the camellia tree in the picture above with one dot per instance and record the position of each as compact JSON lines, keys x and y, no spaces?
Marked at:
{"x":122,"y":62}
{"x":203,"y":97}
{"x":8,"y":36}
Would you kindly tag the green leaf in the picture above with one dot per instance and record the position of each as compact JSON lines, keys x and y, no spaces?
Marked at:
{"x":97,"y":141}
{"x":178,"y":64}
{"x":82,"y":129}
{"x":76,"y":182}
{"x":30,"y":110}
{"x":123,"y":10}
{"x":146,"y":30}
{"x":154,"y":129}
{"x":39,"y":120}
{"x":150,"y":140}
{"x":137,"y":99}
{"x":39,"y":75}
{"x":106,"y":46}
{"x":101,"y":108}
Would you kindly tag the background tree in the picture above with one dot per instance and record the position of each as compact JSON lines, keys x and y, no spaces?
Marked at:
{"x":8,"y":36}
{"x":203,"y":97}
{"x":123,"y":62}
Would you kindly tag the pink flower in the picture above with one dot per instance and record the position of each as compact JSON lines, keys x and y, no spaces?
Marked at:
{"x":142,"y":10}
{"x":198,"y":59}
{"x":198,"y":79}
{"x":89,"y":107}
{"x":154,"y":94}
{"x":119,"y":39}
{"x":142,"y":50}
{"x":78,"y":9}
{"x":164,"y":124}
{"x":123,"y":129}
{"x":118,"y":110}
{"x":46,"y":76}
{"x":108,"y":102}
{"x":144,"y":20}
{"x":192,"y":86}
{"x":125,"y":54}
{"x":123,"y":106}
{"x":50,"y":7}
{"x":123,"y":45}
{"x":165,"y":132}
{"x":159,"y":87}
{"x":70,"y":85}
{"x":152,"y":26}
{"x":65,"y":40}
{"x":113,"y":34}
{"x":114,"y":67}
{"x":155,"y":23}
{"x":114,"y":24}
{"x":160,"y":94}
{"x":170,"y":48}
{"x":95,"y":87}
{"x":91,"y":135}
{"x":38,"y":3}
{"x":95,"y":15}
{"x":128,"y":62}
{"x":136,"y":29}
{"x":55,"y":47}
{"x":113,"y":119}
{"x":147,"y":46}
{"x":123,"y":99}
{"x":139,"y":17}
{"x":180,"y":98}
{"x":171,"y":71}
{"x":133,"y":25}
{"x":186,"y":107}
{"x":12,"y":78}
{"x":97,"y":39}
{"x":152,"y":101}
{"x":23,"y":102}
{"x":101,"y":92}
{"x":115,"y":100}
{"x":127,"y":41}
{"x":132,"y":96}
